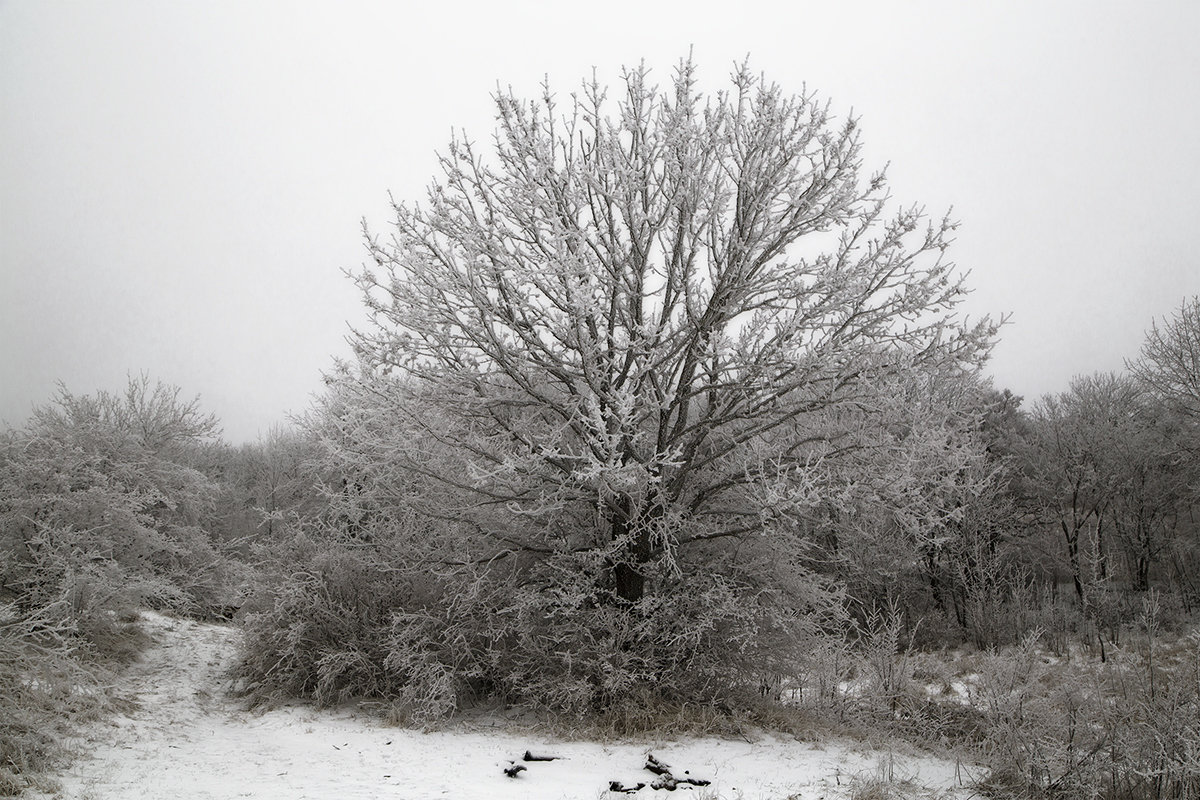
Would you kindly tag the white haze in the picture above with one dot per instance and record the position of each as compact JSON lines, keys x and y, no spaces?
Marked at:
{"x":182,"y":184}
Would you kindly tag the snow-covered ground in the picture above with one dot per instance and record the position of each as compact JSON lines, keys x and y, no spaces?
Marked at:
{"x":189,"y":740}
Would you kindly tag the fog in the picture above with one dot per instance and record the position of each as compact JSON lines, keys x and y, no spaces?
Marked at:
{"x":184,"y":184}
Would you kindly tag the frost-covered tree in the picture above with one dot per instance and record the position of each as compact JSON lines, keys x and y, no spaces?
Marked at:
{"x":1065,"y":461}
{"x":1170,"y":360}
{"x":1169,"y":368}
{"x":637,"y":389}
{"x":97,"y":499}
{"x":635,"y":328}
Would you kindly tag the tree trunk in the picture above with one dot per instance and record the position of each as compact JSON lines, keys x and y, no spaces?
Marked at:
{"x":630,"y":582}
{"x":1071,"y":534}
{"x":633,"y":527}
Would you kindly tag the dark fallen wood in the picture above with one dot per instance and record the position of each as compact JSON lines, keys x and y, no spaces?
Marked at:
{"x":531,"y":757}
{"x":666,"y":780}
{"x":617,"y":786}
{"x":656,"y":766}
{"x":514,"y":770}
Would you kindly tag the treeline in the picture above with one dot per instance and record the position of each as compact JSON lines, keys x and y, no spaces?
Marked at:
{"x":1097,"y":504}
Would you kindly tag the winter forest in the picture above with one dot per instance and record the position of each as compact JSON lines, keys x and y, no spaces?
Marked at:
{"x":662,"y":420}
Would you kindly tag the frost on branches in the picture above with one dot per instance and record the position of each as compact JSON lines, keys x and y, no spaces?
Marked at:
{"x":645,"y":346}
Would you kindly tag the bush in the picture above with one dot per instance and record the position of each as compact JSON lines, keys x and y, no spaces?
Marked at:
{"x":1124,"y":728}
{"x":708,"y":641}
{"x":349,"y":619}
{"x":51,"y":677}
{"x":96,"y":496}
{"x":323,"y":632}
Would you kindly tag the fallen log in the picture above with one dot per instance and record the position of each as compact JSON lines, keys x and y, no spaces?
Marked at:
{"x":666,"y":780}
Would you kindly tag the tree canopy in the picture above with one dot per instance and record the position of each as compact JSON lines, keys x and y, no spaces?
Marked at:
{"x":638,"y":315}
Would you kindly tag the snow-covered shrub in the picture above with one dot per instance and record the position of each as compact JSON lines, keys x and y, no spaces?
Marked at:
{"x":886,"y":654}
{"x":344,"y":618}
{"x":323,"y":635}
{"x":100,"y":512}
{"x":48,"y":681}
{"x":1151,"y":712}
{"x":708,"y":640}
{"x":345,"y":623}
{"x":441,"y":650}
{"x":97,"y":499}
{"x":1124,"y":728}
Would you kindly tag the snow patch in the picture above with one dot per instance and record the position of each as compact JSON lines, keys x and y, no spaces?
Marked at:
{"x":189,"y":740}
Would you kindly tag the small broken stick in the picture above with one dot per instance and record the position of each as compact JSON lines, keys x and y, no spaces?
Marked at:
{"x":531,"y":757}
{"x":514,"y":769}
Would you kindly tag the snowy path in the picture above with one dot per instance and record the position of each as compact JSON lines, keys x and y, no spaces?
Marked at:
{"x":189,"y":741}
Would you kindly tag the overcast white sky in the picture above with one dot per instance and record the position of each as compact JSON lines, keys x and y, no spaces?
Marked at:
{"x":181,"y":184}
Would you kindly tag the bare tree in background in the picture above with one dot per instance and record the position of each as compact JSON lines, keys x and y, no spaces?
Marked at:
{"x":1170,"y":361}
{"x":1067,"y":460}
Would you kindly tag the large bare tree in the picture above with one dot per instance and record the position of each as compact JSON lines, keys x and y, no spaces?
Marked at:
{"x":646,"y":324}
